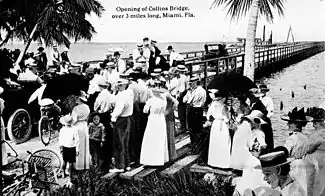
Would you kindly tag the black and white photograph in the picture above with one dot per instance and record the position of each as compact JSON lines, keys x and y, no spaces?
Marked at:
{"x":155,"y":98}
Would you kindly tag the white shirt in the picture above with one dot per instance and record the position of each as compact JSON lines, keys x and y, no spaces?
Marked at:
{"x":111,"y":77}
{"x":68,"y":137}
{"x":123,"y":104}
{"x":104,"y":102}
{"x":182,"y":83}
{"x":195,"y":98}
{"x":55,"y":56}
{"x":30,"y":61}
{"x":268,"y":103}
{"x":93,"y":84}
{"x":145,"y":57}
{"x":172,"y":86}
{"x":175,"y":56}
{"x":121,"y":65}
{"x":28,"y":75}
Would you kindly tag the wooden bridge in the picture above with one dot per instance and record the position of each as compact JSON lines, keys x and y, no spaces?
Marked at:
{"x":268,"y":59}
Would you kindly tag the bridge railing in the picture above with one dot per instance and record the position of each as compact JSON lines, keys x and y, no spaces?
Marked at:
{"x":266,"y":57}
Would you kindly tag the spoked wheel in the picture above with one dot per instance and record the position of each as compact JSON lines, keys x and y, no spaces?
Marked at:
{"x":44,"y":130}
{"x":19,"y":126}
{"x":56,"y":161}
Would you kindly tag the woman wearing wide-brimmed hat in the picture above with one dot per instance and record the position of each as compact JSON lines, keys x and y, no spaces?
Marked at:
{"x":298,"y":145}
{"x":154,"y":150}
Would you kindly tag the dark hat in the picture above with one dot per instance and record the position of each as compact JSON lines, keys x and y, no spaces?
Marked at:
{"x":146,"y":39}
{"x":40,"y":49}
{"x":140,"y":45}
{"x":263,"y":88}
{"x":318,"y":114}
{"x":274,"y":159}
{"x":194,"y":79}
{"x":297,"y":116}
{"x":124,"y":75}
{"x":116,"y":54}
{"x":169,"y":47}
{"x":137,"y":70}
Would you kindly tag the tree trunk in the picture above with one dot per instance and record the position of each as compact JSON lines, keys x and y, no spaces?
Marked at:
{"x":6,"y":39}
{"x":249,"y":66}
{"x":23,"y":52}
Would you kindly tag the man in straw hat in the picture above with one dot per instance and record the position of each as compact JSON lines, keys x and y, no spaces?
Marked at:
{"x":276,"y":170}
{"x":110,"y":74}
{"x":140,"y":58}
{"x":122,"y":124}
{"x":266,"y":100}
{"x":195,"y":99}
{"x":174,"y":57}
{"x":181,"y":92}
{"x":119,"y":63}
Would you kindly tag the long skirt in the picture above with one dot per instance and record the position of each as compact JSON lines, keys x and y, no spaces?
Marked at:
{"x":170,"y":123}
{"x":83,"y":160}
{"x":240,"y":153}
{"x":219,"y":145}
{"x":154,"y":150}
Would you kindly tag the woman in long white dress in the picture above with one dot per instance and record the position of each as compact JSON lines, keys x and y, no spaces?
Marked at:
{"x":220,"y":141}
{"x":154,"y":150}
{"x":80,"y":115}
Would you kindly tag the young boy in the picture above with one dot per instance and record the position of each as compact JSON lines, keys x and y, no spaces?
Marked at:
{"x":68,"y":143}
{"x":97,"y":136}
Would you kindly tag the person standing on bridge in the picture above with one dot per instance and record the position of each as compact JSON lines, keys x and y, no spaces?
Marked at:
{"x":266,"y":100}
{"x":195,"y":99}
{"x":174,"y":57}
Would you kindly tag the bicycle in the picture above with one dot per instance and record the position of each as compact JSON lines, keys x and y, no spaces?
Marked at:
{"x":49,"y":122}
{"x":40,"y":174}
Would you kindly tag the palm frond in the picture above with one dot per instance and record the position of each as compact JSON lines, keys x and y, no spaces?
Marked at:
{"x":239,"y":8}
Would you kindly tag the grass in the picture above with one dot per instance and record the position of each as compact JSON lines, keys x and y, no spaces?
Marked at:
{"x":184,"y":184}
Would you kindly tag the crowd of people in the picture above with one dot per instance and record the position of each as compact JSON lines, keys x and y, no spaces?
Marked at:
{"x":127,"y":117}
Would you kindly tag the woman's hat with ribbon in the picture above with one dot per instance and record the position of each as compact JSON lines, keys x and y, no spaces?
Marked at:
{"x":318,"y":114}
{"x":256,"y":116}
{"x":297,"y":116}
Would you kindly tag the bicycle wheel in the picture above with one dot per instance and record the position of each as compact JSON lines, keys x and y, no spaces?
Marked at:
{"x":56,"y":161}
{"x":44,"y":130}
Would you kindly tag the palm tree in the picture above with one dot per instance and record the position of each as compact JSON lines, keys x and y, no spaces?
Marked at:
{"x":239,"y":8}
{"x":54,"y":21}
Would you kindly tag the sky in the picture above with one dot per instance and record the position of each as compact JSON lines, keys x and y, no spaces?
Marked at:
{"x":306,"y":17}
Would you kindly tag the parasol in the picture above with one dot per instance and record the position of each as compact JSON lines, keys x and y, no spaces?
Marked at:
{"x":62,"y":86}
{"x":232,"y":83}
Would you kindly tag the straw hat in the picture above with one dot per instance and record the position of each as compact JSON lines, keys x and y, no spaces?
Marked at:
{"x":256,"y":116}
{"x":103,"y":83}
{"x":122,"y":82}
{"x":66,"y":49}
{"x":110,"y":65}
{"x":66,"y":120}
{"x":83,"y":96}
{"x":297,"y":116}
{"x":156,"y":72}
{"x":194,"y":79}
{"x":158,"y":90}
{"x":181,"y":68}
{"x":274,"y":159}
{"x":45,"y":102}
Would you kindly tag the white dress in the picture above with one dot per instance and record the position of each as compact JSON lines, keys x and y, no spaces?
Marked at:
{"x":3,"y":134}
{"x":220,"y":141}
{"x":154,"y":150}
{"x":83,"y":159}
